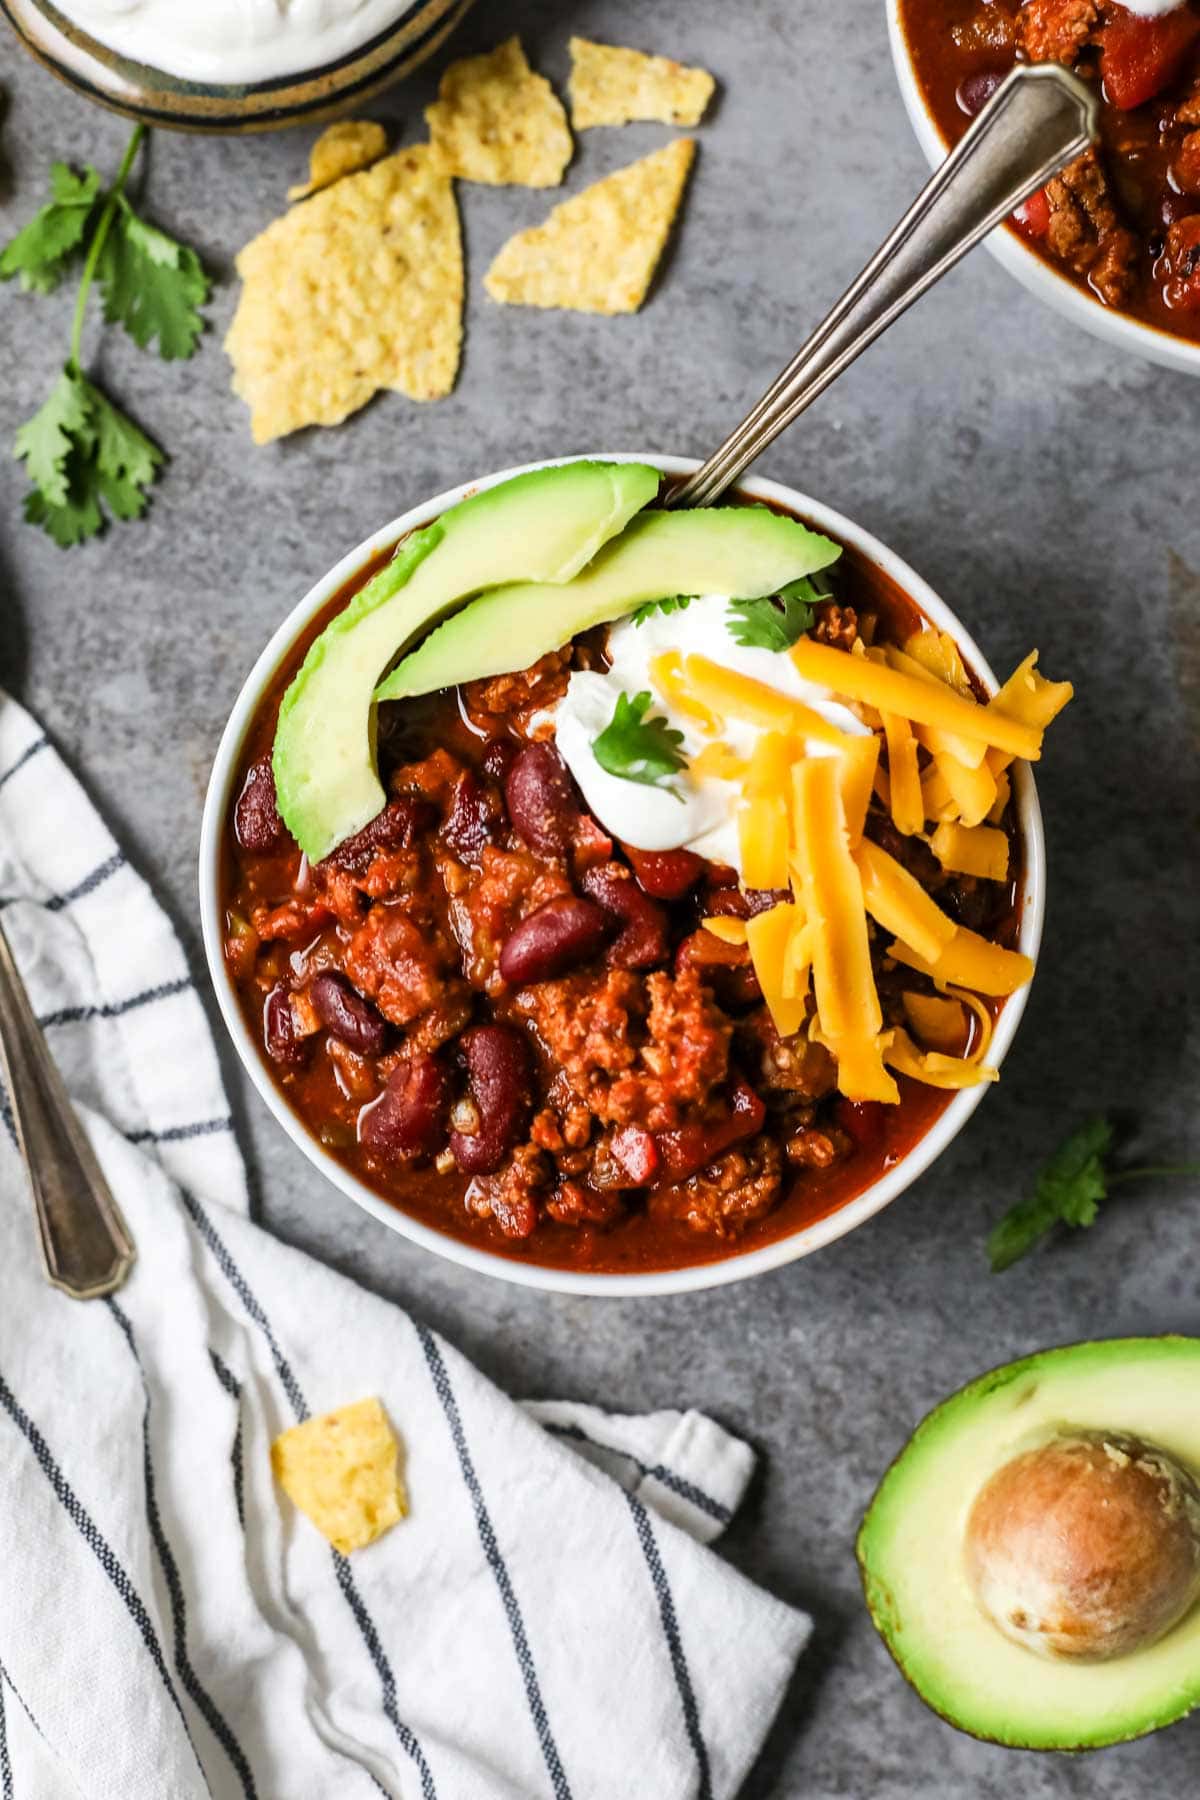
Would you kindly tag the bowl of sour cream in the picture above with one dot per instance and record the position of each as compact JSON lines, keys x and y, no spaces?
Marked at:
{"x":232,"y":65}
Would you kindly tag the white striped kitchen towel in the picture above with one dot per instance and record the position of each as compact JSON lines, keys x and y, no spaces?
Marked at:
{"x":547,"y":1620}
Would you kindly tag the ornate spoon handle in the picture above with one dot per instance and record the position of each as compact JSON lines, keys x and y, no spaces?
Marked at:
{"x":86,"y":1248}
{"x":1038,"y":120}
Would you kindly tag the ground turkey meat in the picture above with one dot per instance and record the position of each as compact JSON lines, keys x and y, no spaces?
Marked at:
{"x":626,"y":1071}
{"x":1086,"y":233}
{"x":787,"y":1066}
{"x":1057,"y":30}
{"x":731,"y":1193}
{"x":529,"y":691}
{"x":511,"y":1196}
{"x":488,"y":902}
{"x":408,"y":970}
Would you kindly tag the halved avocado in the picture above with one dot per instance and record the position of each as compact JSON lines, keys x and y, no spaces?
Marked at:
{"x":1131,"y":1404}
{"x":543,"y":526}
{"x":741,"y":551}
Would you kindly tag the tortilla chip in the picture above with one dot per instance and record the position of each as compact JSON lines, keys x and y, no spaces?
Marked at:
{"x":598,"y":251}
{"x":609,"y":86}
{"x":340,"y":150}
{"x":360,"y":288}
{"x":342,"y":1471}
{"x":496,"y":121}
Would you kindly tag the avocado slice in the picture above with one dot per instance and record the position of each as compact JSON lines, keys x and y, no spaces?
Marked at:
{"x":915,"y":1570}
{"x":742,"y":551}
{"x":542,"y":526}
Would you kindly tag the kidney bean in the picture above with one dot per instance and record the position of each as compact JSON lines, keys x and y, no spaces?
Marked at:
{"x":256,"y":821}
{"x":861,"y":1120}
{"x":665,"y":874}
{"x":498,"y":757}
{"x":542,"y":800}
{"x":499,"y":1073}
{"x":284,"y":1044}
{"x":644,"y":936}
{"x":408,"y":1119}
{"x":344,"y":1012}
{"x":474,"y":817}
{"x":1178,"y":206}
{"x":397,"y":827}
{"x":558,"y":936}
{"x":974,"y":91}
{"x":689,"y":1148}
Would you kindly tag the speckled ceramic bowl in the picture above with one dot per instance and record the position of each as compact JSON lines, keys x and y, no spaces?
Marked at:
{"x":141,"y":92}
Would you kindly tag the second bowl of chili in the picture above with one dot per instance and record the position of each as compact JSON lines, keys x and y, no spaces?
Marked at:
{"x":665,"y":1134}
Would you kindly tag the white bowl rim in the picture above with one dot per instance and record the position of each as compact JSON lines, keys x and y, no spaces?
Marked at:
{"x":736,"y":1266}
{"x":1035,"y":274}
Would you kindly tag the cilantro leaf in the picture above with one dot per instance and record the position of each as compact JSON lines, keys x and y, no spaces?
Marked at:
{"x":41,"y":251}
{"x":151,"y":284}
{"x":1068,"y":1191}
{"x":775,"y":622}
{"x":678,"y":603}
{"x":638,"y":748}
{"x":80,"y":451}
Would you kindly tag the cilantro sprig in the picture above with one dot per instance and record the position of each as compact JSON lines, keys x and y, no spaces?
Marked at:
{"x":676,"y":603}
{"x":776,"y":622}
{"x":1068,"y":1191}
{"x":638,"y":748}
{"x":86,"y":459}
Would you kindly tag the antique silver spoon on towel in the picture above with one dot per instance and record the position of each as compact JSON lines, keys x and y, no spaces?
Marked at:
{"x":86,"y":1248}
{"x":1036,"y":122}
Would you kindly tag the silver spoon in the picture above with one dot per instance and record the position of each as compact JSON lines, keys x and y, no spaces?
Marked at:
{"x":86,"y":1247}
{"x":1036,"y":122}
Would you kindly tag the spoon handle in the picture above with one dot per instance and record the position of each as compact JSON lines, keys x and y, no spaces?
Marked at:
{"x":86,"y":1248}
{"x":1039,"y":118}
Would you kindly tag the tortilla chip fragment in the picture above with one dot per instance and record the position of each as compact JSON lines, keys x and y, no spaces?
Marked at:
{"x":598,"y":251}
{"x":340,"y":150}
{"x":497,"y":122}
{"x":342,"y":1471}
{"x":610,"y":86}
{"x":360,"y":288}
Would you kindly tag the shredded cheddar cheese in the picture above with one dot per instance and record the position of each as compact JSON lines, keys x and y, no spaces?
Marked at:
{"x":904,"y":775}
{"x":970,"y":961}
{"x":971,"y":850}
{"x":768,"y":935}
{"x":666,"y":674}
{"x":897,"y":901}
{"x":727,"y":691}
{"x":931,"y":1067}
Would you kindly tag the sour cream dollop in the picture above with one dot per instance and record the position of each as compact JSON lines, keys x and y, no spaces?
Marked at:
{"x":233,"y":41}
{"x":704,"y":816}
{"x":1151,"y":9}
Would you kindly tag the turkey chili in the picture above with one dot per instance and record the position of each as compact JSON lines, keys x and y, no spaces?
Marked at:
{"x":1124,"y":219}
{"x":660,"y":947}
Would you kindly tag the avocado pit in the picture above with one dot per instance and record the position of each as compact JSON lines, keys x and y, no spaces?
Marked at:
{"x":1087,"y":1547}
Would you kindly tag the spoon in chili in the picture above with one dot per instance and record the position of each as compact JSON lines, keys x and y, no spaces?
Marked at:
{"x":1039,"y":119}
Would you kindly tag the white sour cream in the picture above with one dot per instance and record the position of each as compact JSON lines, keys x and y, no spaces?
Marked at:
{"x":233,"y":41}
{"x":704,"y":817}
{"x":1151,"y":9}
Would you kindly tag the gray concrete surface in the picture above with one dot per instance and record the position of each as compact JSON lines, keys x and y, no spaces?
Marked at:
{"x":1047,"y":488}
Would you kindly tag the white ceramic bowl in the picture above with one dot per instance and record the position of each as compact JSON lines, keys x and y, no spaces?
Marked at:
{"x":1040,"y":277}
{"x":733,"y":1267}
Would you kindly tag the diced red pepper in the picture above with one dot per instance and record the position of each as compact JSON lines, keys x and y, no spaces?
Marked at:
{"x":689,"y":1148}
{"x":1033,"y":215}
{"x":666,"y":874}
{"x":634,"y":1148}
{"x":1140,"y":57}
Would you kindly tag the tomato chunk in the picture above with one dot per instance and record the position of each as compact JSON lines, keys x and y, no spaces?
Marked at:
{"x":689,"y":1148}
{"x":1140,"y":57}
{"x":1033,"y":215}
{"x":667,"y":874}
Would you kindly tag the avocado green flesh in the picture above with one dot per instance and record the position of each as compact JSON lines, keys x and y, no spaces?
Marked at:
{"x":742,"y":551}
{"x":910,"y":1548}
{"x":542,"y":526}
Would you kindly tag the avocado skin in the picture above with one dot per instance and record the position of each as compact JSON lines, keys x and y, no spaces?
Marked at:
{"x":742,"y":551}
{"x":544,"y":525}
{"x":882,"y":1605}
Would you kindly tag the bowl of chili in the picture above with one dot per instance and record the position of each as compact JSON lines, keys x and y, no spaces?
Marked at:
{"x":1113,"y":243}
{"x":752,"y":1158}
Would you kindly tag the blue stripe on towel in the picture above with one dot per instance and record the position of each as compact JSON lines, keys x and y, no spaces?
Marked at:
{"x":56,"y":902}
{"x":75,"y":1015}
{"x":670,"y":1625}
{"x":233,"y":1388}
{"x":178,"y":1134}
{"x":6,"y":1776}
{"x":499,"y":1568}
{"x":678,"y":1484}
{"x":97,"y":1544}
{"x":345,"y":1576}
{"x":201,"y":1699}
{"x":27,"y":755}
